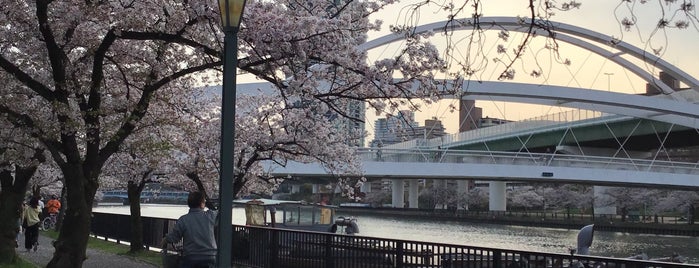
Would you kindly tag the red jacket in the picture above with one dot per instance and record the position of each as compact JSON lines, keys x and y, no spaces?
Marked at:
{"x":53,"y":206}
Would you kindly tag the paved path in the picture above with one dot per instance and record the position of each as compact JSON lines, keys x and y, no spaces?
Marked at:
{"x":95,"y":258}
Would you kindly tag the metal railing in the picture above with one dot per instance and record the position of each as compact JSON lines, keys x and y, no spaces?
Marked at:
{"x":280,"y":248}
{"x":269,"y":247}
{"x":118,"y":227}
{"x":540,"y":123}
{"x":524,"y":158}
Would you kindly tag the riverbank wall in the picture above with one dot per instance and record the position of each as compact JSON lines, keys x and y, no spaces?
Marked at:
{"x":611,"y":223}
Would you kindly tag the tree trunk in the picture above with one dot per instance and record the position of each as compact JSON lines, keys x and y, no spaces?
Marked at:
{"x":690,"y":219}
{"x":134,"y":193}
{"x":10,"y":206}
{"x":72,"y":239}
{"x":61,"y":212}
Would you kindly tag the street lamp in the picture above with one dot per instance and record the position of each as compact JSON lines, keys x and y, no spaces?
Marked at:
{"x":608,"y":80}
{"x":231,"y":15}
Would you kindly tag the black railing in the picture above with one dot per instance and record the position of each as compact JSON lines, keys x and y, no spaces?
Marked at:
{"x":269,"y":247}
{"x":663,"y":225}
{"x":118,"y":227}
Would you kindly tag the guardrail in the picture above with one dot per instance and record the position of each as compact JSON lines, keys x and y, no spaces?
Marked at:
{"x":269,"y":247}
{"x":280,"y":248}
{"x":524,"y":158}
{"x":541,"y":123}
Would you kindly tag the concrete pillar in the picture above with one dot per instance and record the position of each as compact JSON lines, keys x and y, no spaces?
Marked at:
{"x":295,"y":188}
{"x":498,"y":197}
{"x":461,"y":190}
{"x":398,"y":193}
{"x":413,"y":193}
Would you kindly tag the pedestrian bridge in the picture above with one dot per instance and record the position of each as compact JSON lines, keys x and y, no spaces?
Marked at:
{"x":508,"y":166}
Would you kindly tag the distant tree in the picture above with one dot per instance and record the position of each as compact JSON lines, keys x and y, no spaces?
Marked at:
{"x":477,"y":199}
{"x":566,"y":196}
{"x":441,"y":195}
{"x":377,"y":198}
{"x":630,"y":198}
{"x":526,"y":198}
{"x":678,"y":201}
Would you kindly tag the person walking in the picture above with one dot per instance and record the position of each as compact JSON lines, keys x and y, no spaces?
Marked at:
{"x":196,"y":230}
{"x":19,"y":222}
{"x":31,"y":221}
{"x":43,"y":213}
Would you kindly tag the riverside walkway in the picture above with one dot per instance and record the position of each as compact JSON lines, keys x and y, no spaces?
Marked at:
{"x":95,"y":258}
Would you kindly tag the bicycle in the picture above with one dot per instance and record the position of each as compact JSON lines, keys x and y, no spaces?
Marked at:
{"x":49,"y":222}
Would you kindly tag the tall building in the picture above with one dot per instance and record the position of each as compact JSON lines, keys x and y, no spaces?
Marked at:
{"x":390,"y":130}
{"x":489,"y":122}
{"x":471,"y":117}
{"x":354,"y":129}
{"x":403,"y":127}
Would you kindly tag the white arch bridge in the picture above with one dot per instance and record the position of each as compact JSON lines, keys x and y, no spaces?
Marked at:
{"x":415,"y":160}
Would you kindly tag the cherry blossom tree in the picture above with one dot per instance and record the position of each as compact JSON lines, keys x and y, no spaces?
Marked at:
{"x":80,"y":76}
{"x":525,"y":197}
{"x":630,"y":198}
{"x":567,"y":196}
{"x":19,"y":160}
{"x":675,"y":201}
{"x":476,"y":199}
{"x":132,"y":167}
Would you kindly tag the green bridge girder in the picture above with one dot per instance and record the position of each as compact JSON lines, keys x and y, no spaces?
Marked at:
{"x":635,"y":134}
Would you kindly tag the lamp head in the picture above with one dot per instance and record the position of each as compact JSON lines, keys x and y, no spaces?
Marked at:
{"x":231,"y":12}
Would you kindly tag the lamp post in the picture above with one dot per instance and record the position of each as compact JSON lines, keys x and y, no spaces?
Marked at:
{"x":609,"y":80}
{"x":231,"y":15}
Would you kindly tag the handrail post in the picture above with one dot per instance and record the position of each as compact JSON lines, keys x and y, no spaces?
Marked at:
{"x":274,"y":248}
{"x":497,"y":259}
{"x":329,"y":261}
{"x":399,"y":254}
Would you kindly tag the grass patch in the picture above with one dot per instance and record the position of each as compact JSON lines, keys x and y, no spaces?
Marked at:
{"x":119,"y":249}
{"x":20,"y":263}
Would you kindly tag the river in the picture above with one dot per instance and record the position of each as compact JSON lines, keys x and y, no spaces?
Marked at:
{"x":612,"y":244}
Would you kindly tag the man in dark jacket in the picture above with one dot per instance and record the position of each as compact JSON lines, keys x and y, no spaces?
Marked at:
{"x":196,"y":230}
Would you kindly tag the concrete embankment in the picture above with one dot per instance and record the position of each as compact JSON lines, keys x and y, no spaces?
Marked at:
{"x":663,"y":226}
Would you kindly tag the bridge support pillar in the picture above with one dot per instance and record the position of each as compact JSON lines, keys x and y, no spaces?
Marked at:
{"x":413,"y":193}
{"x":498,"y":198}
{"x":398,"y":193}
{"x":461,"y":190}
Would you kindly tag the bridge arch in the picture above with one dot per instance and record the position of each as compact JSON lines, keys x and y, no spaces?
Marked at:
{"x":677,"y":111}
{"x":563,"y":32}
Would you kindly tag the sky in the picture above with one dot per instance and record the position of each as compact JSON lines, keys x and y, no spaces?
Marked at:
{"x":587,"y":70}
